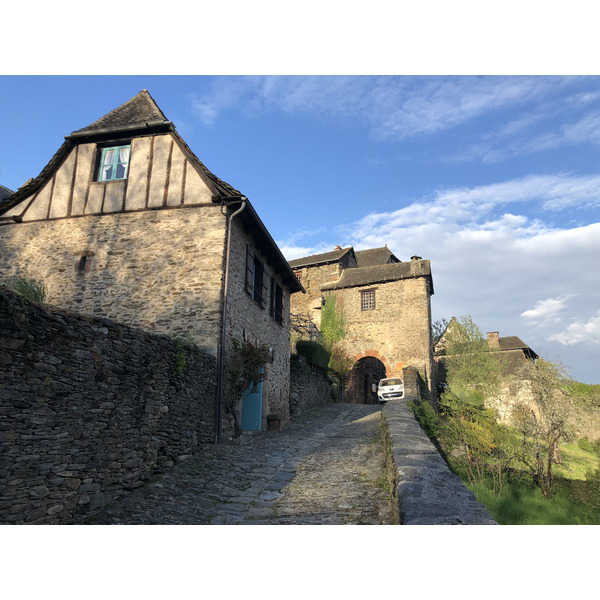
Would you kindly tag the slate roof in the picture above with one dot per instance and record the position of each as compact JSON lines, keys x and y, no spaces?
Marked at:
{"x":514,"y":343}
{"x":139,"y":111}
{"x":375,"y":256}
{"x":5,"y":192}
{"x":360,"y":276}
{"x":320,"y":259}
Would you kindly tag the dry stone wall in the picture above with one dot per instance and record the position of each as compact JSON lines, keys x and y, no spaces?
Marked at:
{"x":90,"y":408}
{"x":310,"y":386}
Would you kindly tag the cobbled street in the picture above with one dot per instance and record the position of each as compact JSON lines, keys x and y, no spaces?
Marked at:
{"x":324,"y":468}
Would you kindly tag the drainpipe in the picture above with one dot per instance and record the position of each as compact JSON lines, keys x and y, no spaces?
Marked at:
{"x":221,"y":347}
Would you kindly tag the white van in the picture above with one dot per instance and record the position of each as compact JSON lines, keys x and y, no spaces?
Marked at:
{"x":390,"y":389}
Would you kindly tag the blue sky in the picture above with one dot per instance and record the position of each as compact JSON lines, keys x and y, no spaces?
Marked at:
{"x":495,"y":179}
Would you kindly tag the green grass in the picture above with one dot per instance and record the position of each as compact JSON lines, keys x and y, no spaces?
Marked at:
{"x":577,"y":462}
{"x":523,"y":504}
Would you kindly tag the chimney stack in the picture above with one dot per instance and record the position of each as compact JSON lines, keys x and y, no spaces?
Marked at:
{"x":493,"y":340}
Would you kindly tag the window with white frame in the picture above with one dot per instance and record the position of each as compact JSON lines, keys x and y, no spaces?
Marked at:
{"x":114,"y":163}
{"x":367,"y":300}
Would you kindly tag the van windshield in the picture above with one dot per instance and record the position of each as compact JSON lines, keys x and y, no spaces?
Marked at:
{"x":386,"y":382}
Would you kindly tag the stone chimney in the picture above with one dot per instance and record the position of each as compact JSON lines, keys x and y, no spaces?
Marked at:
{"x":493,"y":340}
{"x":415,"y":258}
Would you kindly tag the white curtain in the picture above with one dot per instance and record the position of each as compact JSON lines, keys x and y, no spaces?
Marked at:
{"x":107,"y":163}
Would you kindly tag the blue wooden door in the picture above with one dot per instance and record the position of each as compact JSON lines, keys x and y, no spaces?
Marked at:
{"x":252,"y":409}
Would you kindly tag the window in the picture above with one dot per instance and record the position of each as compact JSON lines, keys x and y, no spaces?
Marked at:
{"x":298,"y":275}
{"x":368,"y":300}
{"x":256,"y":278}
{"x":114,"y":163}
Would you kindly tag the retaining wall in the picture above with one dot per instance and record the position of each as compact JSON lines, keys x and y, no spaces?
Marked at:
{"x":309,"y":386}
{"x":426,"y":491}
{"x":90,"y":408}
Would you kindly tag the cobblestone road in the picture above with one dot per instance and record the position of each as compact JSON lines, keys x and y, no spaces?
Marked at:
{"x":327,"y":467}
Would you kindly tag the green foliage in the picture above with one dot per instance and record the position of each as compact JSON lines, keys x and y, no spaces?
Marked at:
{"x":180,"y":357}
{"x":314,"y":353}
{"x":584,"y":394}
{"x":471,"y":365}
{"x":427,"y":417}
{"x":522,"y":503}
{"x":545,"y":424}
{"x":28,"y":288}
{"x":333,"y":322}
{"x":585,"y":445}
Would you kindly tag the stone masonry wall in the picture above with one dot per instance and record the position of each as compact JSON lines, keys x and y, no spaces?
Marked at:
{"x":90,"y":408}
{"x":246,"y":319}
{"x":399,"y":327}
{"x":312,"y":279}
{"x":160,"y":270}
{"x":309,"y":386}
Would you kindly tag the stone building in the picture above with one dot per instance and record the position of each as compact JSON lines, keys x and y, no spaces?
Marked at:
{"x":387,"y":307}
{"x":125,"y":222}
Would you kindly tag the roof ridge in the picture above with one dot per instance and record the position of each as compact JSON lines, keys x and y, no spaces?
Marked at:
{"x":138,"y":110}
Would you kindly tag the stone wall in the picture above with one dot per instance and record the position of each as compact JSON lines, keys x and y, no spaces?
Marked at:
{"x":396,"y":332}
{"x":248,"y":320}
{"x":426,"y":491}
{"x":309,"y":386}
{"x":312,"y":278}
{"x":159,"y":270}
{"x":90,"y":408}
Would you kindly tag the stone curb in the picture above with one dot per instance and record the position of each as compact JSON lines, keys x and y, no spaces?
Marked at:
{"x":428,"y":493}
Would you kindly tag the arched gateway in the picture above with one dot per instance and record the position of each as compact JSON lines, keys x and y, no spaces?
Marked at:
{"x":385,"y":305}
{"x":369,"y":367}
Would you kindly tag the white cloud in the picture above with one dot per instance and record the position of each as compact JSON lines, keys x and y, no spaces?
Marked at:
{"x":496,"y":265}
{"x":392,"y":108}
{"x":548,"y":310}
{"x":580,"y":332}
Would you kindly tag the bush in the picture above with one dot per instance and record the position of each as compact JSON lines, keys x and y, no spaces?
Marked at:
{"x":314,"y":353}
{"x":585,"y":445}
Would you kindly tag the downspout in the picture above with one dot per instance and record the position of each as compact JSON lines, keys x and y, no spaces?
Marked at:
{"x":221,"y":347}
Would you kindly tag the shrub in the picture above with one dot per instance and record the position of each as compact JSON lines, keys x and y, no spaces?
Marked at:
{"x":314,"y":353}
{"x":585,"y":445}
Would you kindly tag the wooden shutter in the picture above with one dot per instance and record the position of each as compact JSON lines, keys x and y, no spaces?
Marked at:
{"x":249,"y":270}
{"x":265,"y":288}
{"x":279,"y":304}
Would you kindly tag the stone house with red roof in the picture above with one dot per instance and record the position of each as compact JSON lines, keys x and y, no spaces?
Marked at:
{"x":125,"y":222}
{"x":387,"y":307}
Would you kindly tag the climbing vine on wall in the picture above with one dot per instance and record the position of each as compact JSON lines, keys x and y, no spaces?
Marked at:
{"x":243,"y":375}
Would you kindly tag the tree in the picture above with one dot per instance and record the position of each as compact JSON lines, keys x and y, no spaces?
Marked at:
{"x":244,"y":373}
{"x":472,"y":367}
{"x":543,"y":423}
{"x":437,"y":329}
{"x":473,"y":375}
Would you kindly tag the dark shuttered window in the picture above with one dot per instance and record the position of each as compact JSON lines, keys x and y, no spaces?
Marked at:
{"x":257,"y":280}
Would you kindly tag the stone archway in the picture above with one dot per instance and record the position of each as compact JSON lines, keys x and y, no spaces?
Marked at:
{"x":363,"y":380}
{"x":391,"y":368}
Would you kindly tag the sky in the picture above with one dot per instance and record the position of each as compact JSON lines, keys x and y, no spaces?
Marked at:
{"x":494,"y":179}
